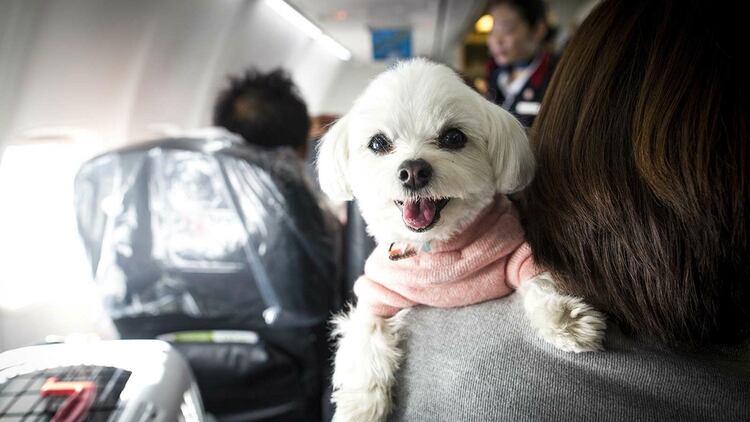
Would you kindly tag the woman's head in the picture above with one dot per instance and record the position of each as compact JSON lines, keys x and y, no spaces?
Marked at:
{"x":640,"y":202}
{"x":518,"y":30}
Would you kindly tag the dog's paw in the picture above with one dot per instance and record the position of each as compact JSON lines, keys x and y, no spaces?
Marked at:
{"x":365,"y":365}
{"x":369,"y":405}
{"x":567,"y":322}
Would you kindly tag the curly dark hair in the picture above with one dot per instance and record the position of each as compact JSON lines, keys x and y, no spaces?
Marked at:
{"x":264,"y":108}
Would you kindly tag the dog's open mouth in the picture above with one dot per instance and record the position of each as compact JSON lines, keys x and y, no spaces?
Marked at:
{"x":421,"y":214}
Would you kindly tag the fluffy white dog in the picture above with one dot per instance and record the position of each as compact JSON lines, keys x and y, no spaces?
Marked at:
{"x":425,"y":155}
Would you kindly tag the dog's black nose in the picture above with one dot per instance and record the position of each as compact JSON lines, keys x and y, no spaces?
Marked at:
{"x":415,"y":174}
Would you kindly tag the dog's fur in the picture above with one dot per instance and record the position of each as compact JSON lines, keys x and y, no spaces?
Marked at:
{"x":412,"y":104}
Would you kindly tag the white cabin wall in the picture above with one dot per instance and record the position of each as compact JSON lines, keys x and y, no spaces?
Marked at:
{"x":79,"y":66}
{"x":350,"y":80}
{"x":17,"y":22}
{"x":116,"y":68}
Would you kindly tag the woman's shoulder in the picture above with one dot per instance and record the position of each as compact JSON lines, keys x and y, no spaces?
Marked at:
{"x":486,"y":360}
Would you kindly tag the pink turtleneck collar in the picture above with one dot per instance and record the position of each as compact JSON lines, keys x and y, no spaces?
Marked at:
{"x":486,"y":261}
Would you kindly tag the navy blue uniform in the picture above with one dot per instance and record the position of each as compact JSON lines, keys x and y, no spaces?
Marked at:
{"x":524,"y":103}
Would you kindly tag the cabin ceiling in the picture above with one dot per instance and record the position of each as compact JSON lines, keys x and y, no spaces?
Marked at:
{"x":437,"y":25}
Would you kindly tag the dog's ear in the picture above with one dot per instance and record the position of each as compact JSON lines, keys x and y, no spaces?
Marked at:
{"x":333,"y":155}
{"x":509,"y":149}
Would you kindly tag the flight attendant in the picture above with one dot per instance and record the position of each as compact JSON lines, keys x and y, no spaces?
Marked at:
{"x":521,"y":65}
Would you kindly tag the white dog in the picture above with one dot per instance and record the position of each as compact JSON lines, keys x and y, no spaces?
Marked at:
{"x":429,"y":159}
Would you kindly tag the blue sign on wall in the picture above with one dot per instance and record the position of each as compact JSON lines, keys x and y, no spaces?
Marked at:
{"x":391,"y":43}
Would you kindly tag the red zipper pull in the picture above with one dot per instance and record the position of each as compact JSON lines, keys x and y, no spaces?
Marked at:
{"x":76,"y":407}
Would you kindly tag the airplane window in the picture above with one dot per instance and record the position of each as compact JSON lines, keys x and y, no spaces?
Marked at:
{"x":37,"y":220}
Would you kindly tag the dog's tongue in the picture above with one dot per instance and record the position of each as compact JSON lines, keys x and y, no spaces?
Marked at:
{"x":419,"y":213}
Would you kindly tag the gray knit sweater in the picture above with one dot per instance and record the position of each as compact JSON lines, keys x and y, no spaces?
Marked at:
{"x":484,"y":363}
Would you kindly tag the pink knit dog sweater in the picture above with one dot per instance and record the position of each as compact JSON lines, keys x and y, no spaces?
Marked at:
{"x":486,"y":261}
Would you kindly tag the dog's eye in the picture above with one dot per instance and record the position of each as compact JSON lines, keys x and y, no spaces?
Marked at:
{"x":379,"y":144}
{"x":452,"y":139}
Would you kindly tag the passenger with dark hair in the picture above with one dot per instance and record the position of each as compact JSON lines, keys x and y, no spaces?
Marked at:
{"x":641,"y":205}
{"x":521,"y":64}
{"x":265,"y":109}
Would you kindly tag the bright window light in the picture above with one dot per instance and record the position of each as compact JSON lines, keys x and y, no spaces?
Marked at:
{"x":42,"y":257}
{"x":308,"y":28}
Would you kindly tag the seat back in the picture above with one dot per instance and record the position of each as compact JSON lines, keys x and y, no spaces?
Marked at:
{"x":212,"y":234}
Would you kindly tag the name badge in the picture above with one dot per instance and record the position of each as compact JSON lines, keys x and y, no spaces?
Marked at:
{"x":528,"y":107}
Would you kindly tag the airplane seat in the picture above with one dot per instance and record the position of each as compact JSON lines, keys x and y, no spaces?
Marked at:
{"x":222,"y":249}
{"x":358,"y":245}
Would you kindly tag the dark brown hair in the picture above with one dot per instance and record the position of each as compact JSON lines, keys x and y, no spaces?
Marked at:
{"x":640,"y":202}
{"x":531,"y":11}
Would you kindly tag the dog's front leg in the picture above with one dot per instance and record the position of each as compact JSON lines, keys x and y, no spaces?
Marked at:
{"x":367,"y":358}
{"x":566,"y":321}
